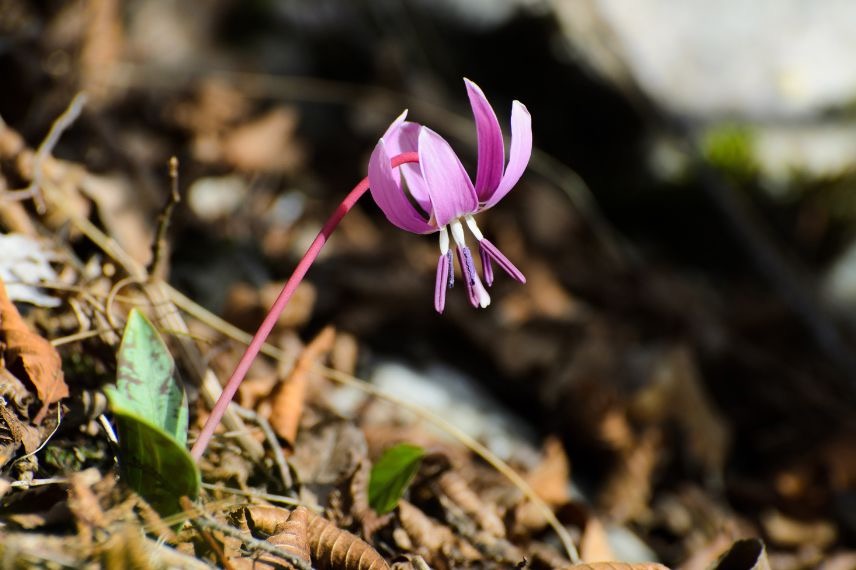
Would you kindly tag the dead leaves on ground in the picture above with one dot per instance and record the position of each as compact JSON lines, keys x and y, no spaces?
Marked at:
{"x":29,"y":356}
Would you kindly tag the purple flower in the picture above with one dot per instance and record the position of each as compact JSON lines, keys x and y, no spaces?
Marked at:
{"x":440,"y":196}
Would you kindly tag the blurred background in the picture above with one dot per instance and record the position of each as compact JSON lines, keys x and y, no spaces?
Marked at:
{"x":686,"y":223}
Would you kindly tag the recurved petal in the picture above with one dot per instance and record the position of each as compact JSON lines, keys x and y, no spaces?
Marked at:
{"x":518,"y":156}
{"x":490,"y":145}
{"x":389,"y":196}
{"x":403,"y":136}
{"x":449,"y":186}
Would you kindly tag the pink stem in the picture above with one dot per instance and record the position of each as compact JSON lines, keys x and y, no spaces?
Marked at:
{"x":281,"y":301}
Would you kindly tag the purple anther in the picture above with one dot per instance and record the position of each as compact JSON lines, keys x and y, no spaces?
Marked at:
{"x":490,"y":251}
{"x":443,"y":265}
{"x":487,"y":267}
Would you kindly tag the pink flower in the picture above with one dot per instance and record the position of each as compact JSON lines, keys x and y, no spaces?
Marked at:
{"x":439,"y":195}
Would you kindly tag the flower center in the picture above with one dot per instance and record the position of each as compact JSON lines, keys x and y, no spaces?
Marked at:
{"x":478,"y":295}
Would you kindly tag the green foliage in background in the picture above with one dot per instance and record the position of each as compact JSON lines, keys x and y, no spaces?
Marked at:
{"x":392,"y":474}
{"x":730,"y":147}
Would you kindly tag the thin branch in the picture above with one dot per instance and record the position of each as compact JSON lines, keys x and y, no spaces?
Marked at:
{"x":273,"y":442}
{"x":157,"y":267}
{"x":258,"y":495}
{"x":63,"y":122}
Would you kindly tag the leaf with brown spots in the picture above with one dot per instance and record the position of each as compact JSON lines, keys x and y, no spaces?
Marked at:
{"x":29,"y":356}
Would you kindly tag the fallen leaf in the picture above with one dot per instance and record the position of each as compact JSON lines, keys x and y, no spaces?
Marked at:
{"x":785,"y":531}
{"x":28,"y":355}
{"x":617,"y":566}
{"x":594,"y":545}
{"x":22,"y":433}
{"x":454,"y":487}
{"x":265,"y":144}
{"x":289,"y":396}
{"x":337,"y":549}
{"x":551,"y":478}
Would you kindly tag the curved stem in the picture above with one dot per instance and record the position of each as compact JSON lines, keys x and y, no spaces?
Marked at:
{"x":279,"y":305}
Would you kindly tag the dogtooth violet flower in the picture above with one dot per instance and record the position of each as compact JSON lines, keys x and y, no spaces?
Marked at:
{"x":440,"y":196}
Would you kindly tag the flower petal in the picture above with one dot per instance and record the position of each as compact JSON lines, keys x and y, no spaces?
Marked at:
{"x":449,"y":187}
{"x":389,"y":196}
{"x":518,"y":156}
{"x":491,"y":147}
{"x":403,"y":136}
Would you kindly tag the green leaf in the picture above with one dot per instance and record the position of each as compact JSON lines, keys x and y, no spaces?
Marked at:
{"x":150,"y":407}
{"x":392,"y":474}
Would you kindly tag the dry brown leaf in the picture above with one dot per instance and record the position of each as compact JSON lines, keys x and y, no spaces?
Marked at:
{"x":330,"y":546}
{"x":789,"y":532}
{"x":20,"y":432}
{"x":344,"y":354}
{"x":27,"y":355}
{"x":840,"y":561}
{"x":102,"y":48}
{"x":298,"y":311}
{"x":551,"y":478}
{"x":265,"y":144}
{"x":292,"y":538}
{"x":453,"y":486}
{"x":617,"y":566}
{"x":627,"y":494}
{"x":288,"y":398}
{"x":358,"y":489}
{"x":266,"y":519}
{"x":594,"y":545}
{"x":427,"y":535}
{"x":337,"y":549}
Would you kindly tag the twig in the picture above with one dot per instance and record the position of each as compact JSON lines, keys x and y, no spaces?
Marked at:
{"x":273,"y":443}
{"x":157,"y":267}
{"x":257,"y":495}
{"x":62,"y":122}
{"x":253,"y":543}
{"x":82,"y":335}
{"x":46,"y":440}
{"x":39,"y":482}
{"x":187,"y":505}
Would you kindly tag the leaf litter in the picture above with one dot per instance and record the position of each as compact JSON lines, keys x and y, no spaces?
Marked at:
{"x":635,"y":416}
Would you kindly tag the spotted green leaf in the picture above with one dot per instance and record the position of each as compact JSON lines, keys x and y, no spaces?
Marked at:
{"x":150,"y":407}
{"x":392,"y":474}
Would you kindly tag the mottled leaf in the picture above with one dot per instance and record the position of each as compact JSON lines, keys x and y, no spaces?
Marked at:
{"x":150,"y":407}
{"x":391,"y":475}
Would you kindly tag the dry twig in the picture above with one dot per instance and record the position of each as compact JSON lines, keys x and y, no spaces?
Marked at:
{"x":34,"y":190}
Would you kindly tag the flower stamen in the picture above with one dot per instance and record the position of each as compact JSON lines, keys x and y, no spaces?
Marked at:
{"x":478,"y":295}
{"x":489,"y":252}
